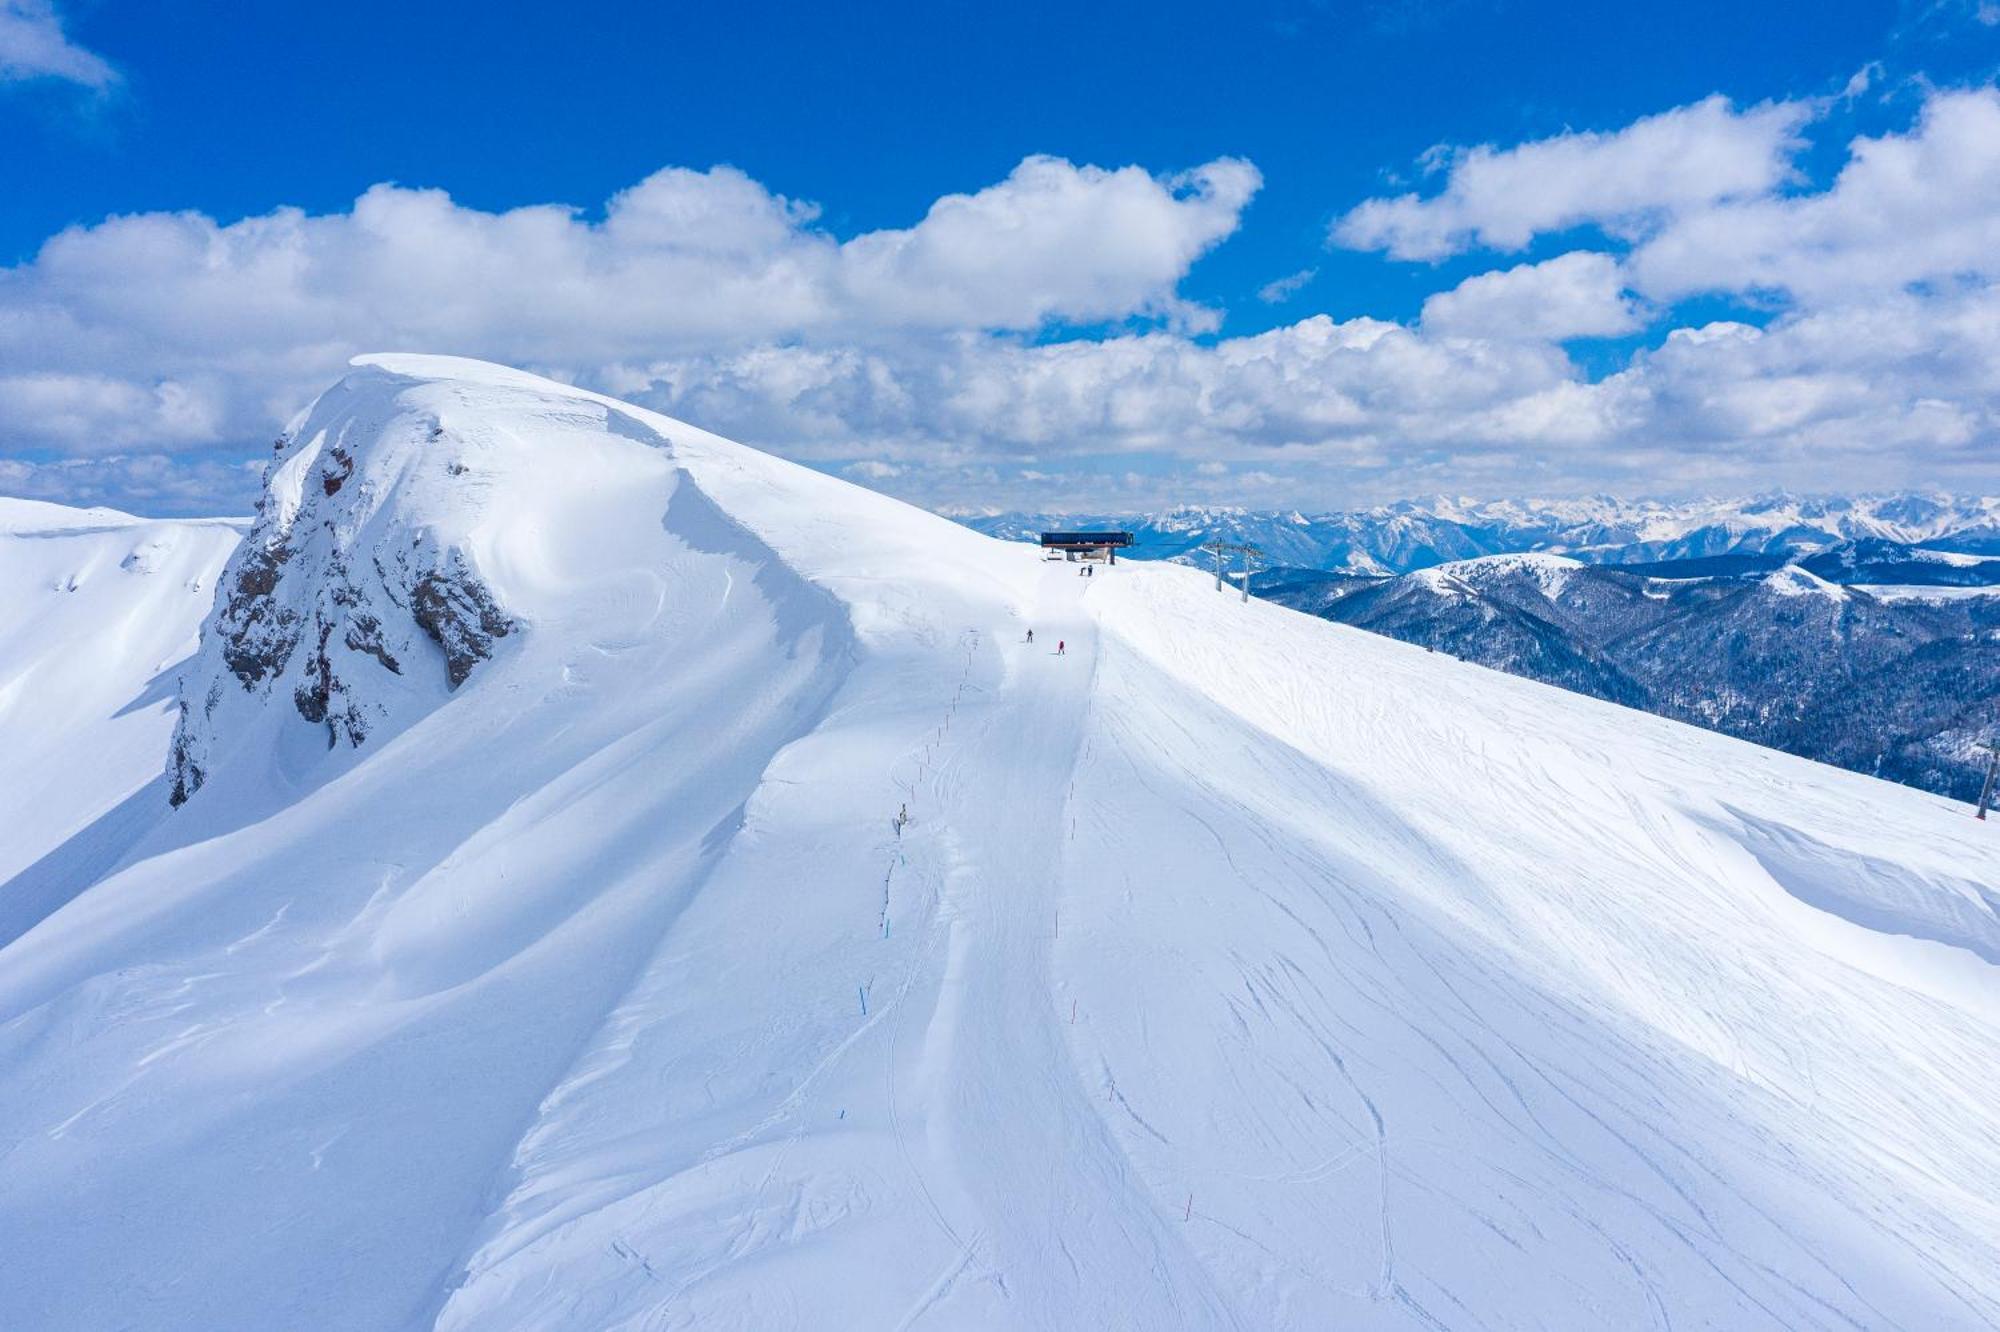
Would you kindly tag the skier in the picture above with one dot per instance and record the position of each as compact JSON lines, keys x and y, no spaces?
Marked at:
{"x":1059,"y":647}
{"x":1031,"y":635}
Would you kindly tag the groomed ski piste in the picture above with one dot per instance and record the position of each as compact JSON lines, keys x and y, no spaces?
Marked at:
{"x":1234,"y":969}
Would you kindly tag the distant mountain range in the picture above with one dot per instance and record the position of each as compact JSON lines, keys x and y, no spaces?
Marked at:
{"x":1861,"y":631}
{"x":1899,"y":679}
{"x":1420,"y":534}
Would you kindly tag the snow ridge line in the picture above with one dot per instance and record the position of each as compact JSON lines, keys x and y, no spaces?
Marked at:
{"x":697,"y":518}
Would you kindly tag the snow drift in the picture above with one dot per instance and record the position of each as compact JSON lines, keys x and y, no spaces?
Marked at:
{"x":97,"y":611}
{"x":534,"y":944}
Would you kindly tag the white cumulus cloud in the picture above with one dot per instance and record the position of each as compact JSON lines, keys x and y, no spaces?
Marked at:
{"x":940,"y":359}
{"x":1918,"y":207}
{"x":33,"y":45}
{"x":1576,"y":295}
{"x":191,"y":329}
{"x":1502,"y":198}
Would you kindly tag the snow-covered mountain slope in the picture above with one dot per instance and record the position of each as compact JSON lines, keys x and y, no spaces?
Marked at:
{"x":1234,"y":968}
{"x":96,"y":609}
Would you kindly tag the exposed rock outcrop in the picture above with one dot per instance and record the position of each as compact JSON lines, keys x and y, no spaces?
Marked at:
{"x":354,"y":600}
{"x":459,"y":614}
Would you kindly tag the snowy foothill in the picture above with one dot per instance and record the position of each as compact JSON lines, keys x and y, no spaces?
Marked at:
{"x":96,"y":610}
{"x":1550,"y":572}
{"x":623,"y":879}
{"x":1792,"y":581}
{"x":1906,"y":592}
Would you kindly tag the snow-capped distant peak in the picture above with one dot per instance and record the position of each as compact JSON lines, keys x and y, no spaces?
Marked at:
{"x":1441,"y":581}
{"x":1793,"y":581}
{"x":1551,"y":573}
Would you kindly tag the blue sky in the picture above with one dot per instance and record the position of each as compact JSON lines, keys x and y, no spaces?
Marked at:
{"x":1086,"y":333}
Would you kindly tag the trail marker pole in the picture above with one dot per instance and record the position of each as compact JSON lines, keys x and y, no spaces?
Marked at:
{"x":1188,"y":1215}
{"x":1992,"y":770}
{"x":1244,"y":553}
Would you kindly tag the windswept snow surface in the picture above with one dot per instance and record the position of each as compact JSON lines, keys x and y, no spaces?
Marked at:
{"x":97,"y":608}
{"x":1235,"y":968}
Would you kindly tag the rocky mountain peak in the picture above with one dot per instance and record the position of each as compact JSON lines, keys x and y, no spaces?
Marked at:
{"x":357,"y":590}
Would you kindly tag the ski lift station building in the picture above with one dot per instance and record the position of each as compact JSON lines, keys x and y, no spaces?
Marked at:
{"x":1087,"y":545}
